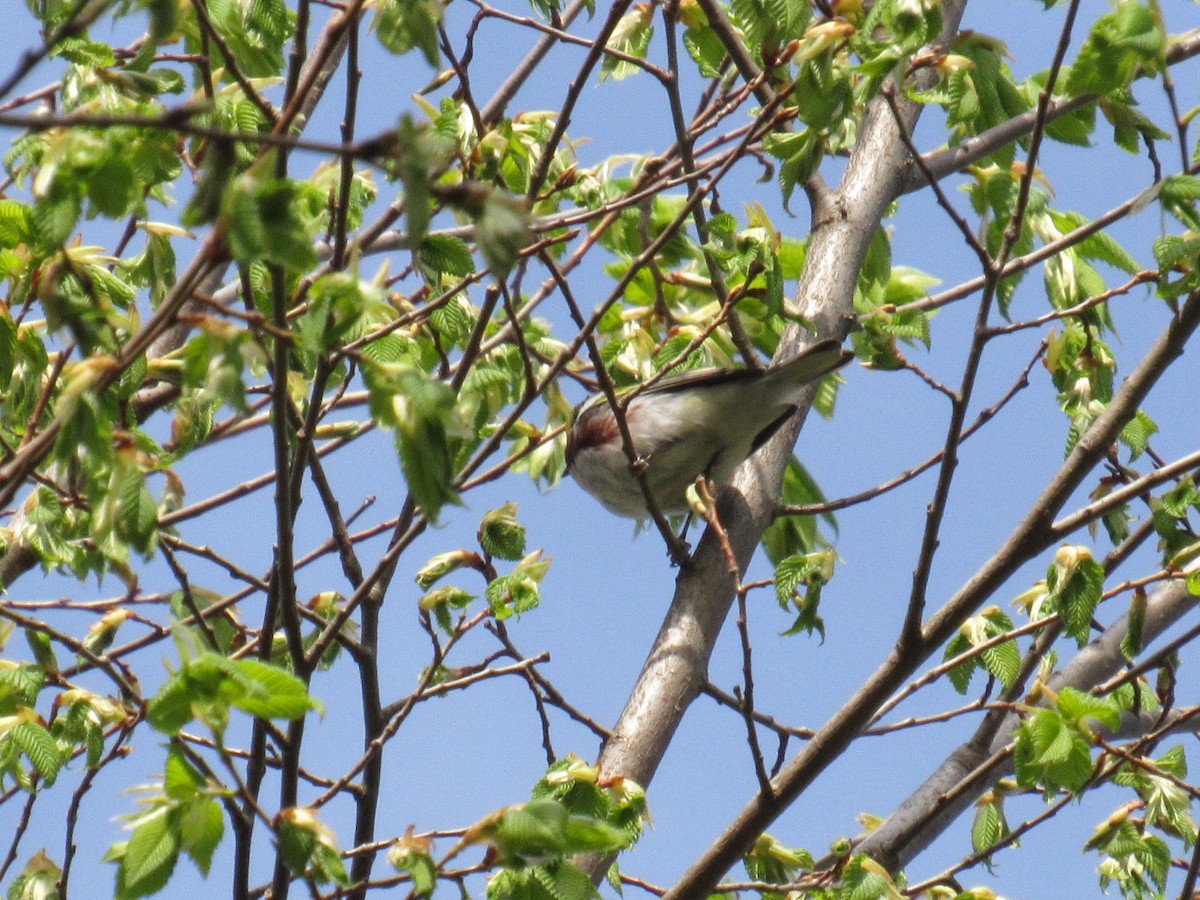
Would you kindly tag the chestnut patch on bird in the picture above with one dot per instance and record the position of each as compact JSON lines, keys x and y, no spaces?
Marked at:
{"x":595,"y":426}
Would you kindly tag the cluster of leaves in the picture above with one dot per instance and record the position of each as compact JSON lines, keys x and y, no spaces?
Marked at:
{"x":500,"y":536}
{"x":1054,"y":752}
{"x":1137,"y":856}
{"x":880,"y":299}
{"x":830,"y":68}
{"x":209,"y":686}
{"x":89,"y":297}
{"x":34,"y":751}
{"x":574,"y":810}
{"x":1055,"y":745}
{"x":771,"y":861}
{"x":444,"y":378}
{"x":183,"y":815}
{"x":1001,"y":659}
{"x":184,"y":812}
{"x":858,"y":876}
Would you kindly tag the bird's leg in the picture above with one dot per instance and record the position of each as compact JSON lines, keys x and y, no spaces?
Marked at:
{"x":677,"y":550}
{"x":701,"y":502}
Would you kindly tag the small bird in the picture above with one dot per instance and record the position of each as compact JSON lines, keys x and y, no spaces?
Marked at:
{"x":705,"y":422}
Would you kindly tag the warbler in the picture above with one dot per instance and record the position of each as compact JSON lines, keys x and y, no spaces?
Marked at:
{"x":705,"y":422}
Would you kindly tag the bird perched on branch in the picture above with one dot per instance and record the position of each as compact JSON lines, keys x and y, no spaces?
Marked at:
{"x":705,"y":422}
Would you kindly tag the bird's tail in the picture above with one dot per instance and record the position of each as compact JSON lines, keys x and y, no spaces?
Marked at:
{"x":818,"y":360}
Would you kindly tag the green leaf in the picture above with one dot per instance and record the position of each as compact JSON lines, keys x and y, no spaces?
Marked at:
{"x":272,"y":220}
{"x":38,"y":880}
{"x":112,"y":187}
{"x":171,"y":707}
{"x":419,"y":153}
{"x":443,"y":564}
{"x":987,"y":828}
{"x":801,"y":153}
{"x":54,"y":218}
{"x":960,"y":675}
{"x":1119,"y":45}
{"x":404,"y":25}
{"x":1075,"y":128}
{"x":181,"y":780}
{"x":452,"y":321}
{"x":201,"y":827}
{"x":1136,"y":433}
{"x":501,"y":535}
{"x":631,"y":37}
{"x":43,"y":649}
{"x":1104,"y":247}
{"x":1178,"y":500}
{"x":1076,"y":582}
{"x":771,"y":861}
{"x":412,"y":855}
{"x":271,"y":692}
{"x":447,"y":255}
{"x":502,"y":230}
{"x":150,"y":856}
{"x":16,"y":222}
{"x":543,"y":831}
{"x":328,"y":866}
{"x":792,"y":535}
{"x":1003,"y":661}
{"x":1052,"y":753}
{"x":510,"y":595}
{"x":209,"y":685}
{"x":585,"y":834}
{"x":1076,"y":706}
{"x":705,"y":47}
{"x":296,"y":845}
{"x":862,"y":883}
{"x":421,"y":412}
{"x":20,"y":686}
{"x":216,"y":173}
{"x":798,"y":583}
{"x":39,"y":745}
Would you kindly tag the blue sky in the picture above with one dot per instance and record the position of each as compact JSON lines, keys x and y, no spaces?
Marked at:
{"x":464,"y":755}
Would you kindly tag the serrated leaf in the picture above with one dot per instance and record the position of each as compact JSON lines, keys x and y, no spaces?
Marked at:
{"x":403,"y":25}
{"x":512,"y":594}
{"x":149,"y":858}
{"x":704,"y":46}
{"x":960,"y":675}
{"x":447,"y":255}
{"x":986,"y":830}
{"x":181,"y":780}
{"x":1076,"y":706}
{"x":631,"y":37}
{"x":1076,"y":583}
{"x":1003,"y":661}
{"x":201,"y":827}
{"x":273,"y":693}
{"x":1136,"y":433}
{"x":171,"y":707}
{"x":20,"y":686}
{"x":501,"y":535}
{"x":452,"y":321}
{"x":39,"y":745}
{"x":422,"y":413}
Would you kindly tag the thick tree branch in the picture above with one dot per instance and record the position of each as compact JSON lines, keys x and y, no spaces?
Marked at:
{"x":1032,"y":536}
{"x":676,"y":667}
{"x":927,"y":812}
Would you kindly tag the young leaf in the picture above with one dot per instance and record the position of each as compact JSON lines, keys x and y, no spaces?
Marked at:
{"x":501,"y":535}
{"x":149,"y":858}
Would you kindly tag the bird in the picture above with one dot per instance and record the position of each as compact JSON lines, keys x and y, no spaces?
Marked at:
{"x":706,"y":422}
